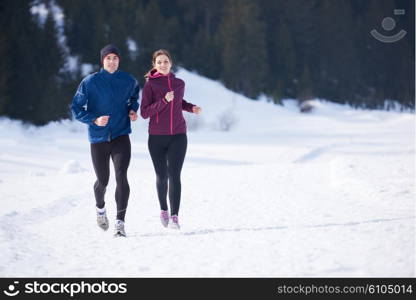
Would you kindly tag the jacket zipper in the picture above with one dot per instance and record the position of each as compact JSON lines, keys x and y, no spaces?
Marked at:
{"x":111,"y":113}
{"x":171,"y":107}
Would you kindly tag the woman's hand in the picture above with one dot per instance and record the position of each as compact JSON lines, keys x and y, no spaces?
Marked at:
{"x":196,"y":110}
{"x":101,"y":121}
{"x":169,"y":96}
{"x":133,"y":115}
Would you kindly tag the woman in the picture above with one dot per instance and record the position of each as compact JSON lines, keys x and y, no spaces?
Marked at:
{"x":162,"y":102}
{"x":107,"y":102}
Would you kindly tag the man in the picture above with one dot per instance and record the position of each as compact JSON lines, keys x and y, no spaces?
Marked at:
{"x":107,"y":101}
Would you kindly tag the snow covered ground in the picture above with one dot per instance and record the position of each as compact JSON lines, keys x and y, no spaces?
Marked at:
{"x":281,"y":194}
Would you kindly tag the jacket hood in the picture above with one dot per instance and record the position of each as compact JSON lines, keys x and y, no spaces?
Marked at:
{"x":153,"y":74}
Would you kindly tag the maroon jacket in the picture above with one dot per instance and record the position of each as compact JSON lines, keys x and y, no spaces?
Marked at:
{"x":166,"y":118}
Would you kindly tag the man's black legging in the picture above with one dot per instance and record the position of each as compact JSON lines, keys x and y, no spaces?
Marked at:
{"x":168,"y":153}
{"x":119,"y":150}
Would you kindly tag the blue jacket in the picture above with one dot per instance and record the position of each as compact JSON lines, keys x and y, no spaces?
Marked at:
{"x":106,"y":94}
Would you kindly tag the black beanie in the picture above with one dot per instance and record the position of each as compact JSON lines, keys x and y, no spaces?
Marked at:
{"x":110,"y":48}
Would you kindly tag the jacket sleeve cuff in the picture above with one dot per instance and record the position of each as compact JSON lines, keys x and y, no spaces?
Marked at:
{"x":92,"y":122}
{"x":134,"y":106}
{"x":164,"y":101}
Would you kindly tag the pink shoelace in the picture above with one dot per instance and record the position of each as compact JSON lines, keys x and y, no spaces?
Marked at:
{"x":175,"y":219}
{"x":165,"y":214}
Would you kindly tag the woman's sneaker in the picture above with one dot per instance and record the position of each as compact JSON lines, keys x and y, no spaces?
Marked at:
{"x":102,"y":219}
{"x":164,"y":218}
{"x":119,"y":229}
{"x":174,"y":222}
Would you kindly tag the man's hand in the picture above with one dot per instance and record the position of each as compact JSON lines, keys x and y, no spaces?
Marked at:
{"x":101,"y":121}
{"x":133,"y":115}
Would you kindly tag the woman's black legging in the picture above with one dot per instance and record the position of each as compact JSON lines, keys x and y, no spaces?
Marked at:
{"x":168,"y":153}
{"x":119,"y":150}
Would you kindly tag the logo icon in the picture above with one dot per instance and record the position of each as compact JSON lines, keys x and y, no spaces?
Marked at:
{"x":389,"y":24}
{"x":11,"y":290}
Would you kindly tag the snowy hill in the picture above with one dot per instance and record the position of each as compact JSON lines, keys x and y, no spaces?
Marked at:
{"x":279,"y":194}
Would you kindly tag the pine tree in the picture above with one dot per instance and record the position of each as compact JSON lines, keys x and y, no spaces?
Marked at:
{"x":379,"y":57}
{"x":201,"y":50}
{"x":242,"y":35}
{"x":185,"y":29}
{"x":86,"y":28}
{"x":3,"y":74}
{"x":284,"y":55}
{"x":117,"y":32}
{"x":22,"y":34}
{"x":337,"y":59}
{"x":151,"y":34}
{"x":4,"y":71}
{"x":305,"y":90}
{"x":51,"y":106}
